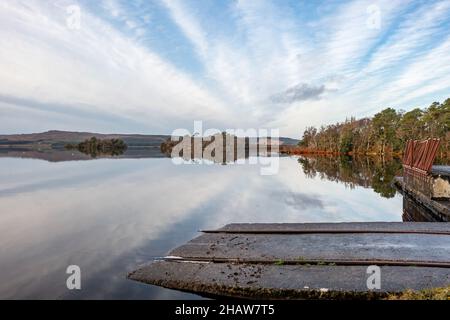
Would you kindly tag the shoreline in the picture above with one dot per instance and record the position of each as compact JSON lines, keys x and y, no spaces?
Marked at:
{"x":296,"y":150}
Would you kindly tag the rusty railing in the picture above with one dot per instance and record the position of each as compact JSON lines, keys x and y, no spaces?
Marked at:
{"x":419,"y":155}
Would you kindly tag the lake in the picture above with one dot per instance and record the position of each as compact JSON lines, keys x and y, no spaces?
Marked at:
{"x":110,"y":215}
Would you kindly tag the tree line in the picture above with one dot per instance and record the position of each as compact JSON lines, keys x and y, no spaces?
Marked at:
{"x":386,"y":132}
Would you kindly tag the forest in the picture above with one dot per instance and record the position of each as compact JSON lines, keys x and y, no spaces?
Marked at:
{"x":385,"y":133}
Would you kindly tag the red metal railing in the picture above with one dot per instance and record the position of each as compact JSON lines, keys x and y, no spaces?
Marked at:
{"x":419,"y":155}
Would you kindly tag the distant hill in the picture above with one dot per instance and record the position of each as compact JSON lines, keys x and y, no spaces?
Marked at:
{"x":57,"y":139}
{"x":289,"y":141}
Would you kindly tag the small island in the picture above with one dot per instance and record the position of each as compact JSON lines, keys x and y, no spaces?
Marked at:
{"x":220,"y":148}
{"x":95,"y":147}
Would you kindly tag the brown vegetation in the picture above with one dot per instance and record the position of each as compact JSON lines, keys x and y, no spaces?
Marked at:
{"x":427,"y":294}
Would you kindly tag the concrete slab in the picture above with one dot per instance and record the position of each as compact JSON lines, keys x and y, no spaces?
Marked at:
{"x":300,"y":261}
{"x":441,"y":170}
{"x":344,"y":227}
{"x":439,"y":208}
{"x":287,"y":281}
{"x":361,"y":248}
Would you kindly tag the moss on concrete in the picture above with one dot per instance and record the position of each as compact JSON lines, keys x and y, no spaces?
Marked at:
{"x":427,"y":294}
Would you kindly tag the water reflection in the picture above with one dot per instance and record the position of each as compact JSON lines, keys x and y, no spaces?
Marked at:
{"x":415,"y":212}
{"x":367,"y":172}
{"x":110,"y":215}
{"x":60,"y":155}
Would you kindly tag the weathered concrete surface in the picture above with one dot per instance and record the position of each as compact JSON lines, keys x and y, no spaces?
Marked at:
{"x":342,"y":248}
{"x":441,"y":170}
{"x":413,"y":211}
{"x":286,"y":281}
{"x":435,"y":185}
{"x":343,"y":227}
{"x":295,"y":265}
{"x":439,"y":208}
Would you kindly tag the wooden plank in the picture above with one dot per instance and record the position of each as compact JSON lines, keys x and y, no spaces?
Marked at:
{"x":286,"y":281}
{"x":346,"y":227}
{"x":342,"y":248}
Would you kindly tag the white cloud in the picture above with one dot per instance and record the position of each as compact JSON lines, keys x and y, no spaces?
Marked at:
{"x":188,"y":25}
{"x":416,"y":30}
{"x":263,"y":48}
{"x":94,"y":67}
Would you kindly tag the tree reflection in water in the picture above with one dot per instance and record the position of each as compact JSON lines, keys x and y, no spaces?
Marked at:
{"x":368,"y":172}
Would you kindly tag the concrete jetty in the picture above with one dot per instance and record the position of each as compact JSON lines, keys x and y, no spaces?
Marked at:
{"x":430,"y":191}
{"x":311,"y":260}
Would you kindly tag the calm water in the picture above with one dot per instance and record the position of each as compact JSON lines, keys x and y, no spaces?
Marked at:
{"x":110,"y":215}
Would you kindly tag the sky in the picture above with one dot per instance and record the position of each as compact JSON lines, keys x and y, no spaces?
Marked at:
{"x":153,"y":66}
